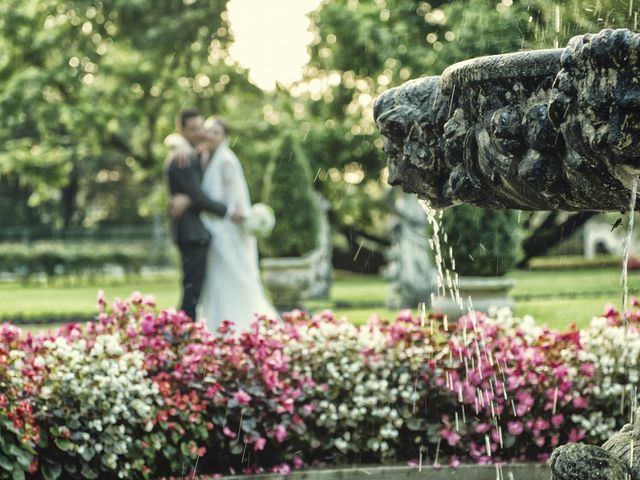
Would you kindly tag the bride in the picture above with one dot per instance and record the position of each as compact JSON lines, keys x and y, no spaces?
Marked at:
{"x":232,"y":289}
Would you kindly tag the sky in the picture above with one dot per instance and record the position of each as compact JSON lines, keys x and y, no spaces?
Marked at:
{"x":271,"y":38}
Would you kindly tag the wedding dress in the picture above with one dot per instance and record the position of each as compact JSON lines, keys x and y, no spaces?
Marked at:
{"x":232,"y":289}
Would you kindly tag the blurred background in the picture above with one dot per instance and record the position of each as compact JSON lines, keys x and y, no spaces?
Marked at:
{"x":89,"y":90}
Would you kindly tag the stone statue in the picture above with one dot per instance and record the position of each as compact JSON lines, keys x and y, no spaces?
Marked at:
{"x":410,"y":268}
{"x":322,"y":273}
{"x":540,"y":130}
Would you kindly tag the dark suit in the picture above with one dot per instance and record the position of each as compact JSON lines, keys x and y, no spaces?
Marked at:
{"x":188,"y":231}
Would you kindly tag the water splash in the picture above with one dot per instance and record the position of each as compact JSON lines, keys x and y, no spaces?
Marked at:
{"x":624,"y":277}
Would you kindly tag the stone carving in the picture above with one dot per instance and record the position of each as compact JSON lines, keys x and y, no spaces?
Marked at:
{"x":587,"y":462}
{"x":612,"y":461}
{"x":542,"y":130}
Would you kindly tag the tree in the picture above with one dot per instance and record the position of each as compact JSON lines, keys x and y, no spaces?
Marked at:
{"x":89,"y":90}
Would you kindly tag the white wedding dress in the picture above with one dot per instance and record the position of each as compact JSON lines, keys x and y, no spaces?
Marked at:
{"x":232,"y":289}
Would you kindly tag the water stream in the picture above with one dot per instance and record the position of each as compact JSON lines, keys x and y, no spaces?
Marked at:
{"x":624,"y":277}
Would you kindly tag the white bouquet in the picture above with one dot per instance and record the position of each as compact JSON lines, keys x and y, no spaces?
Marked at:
{"x":260,"y":220}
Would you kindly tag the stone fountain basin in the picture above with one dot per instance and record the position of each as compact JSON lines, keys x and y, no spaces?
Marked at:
{"x":522,"y":471}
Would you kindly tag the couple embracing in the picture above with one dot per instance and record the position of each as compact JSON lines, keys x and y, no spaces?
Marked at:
{"x":209,"y":204}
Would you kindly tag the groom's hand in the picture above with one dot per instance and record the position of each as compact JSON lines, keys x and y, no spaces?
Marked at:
{"x":182,"y":157}
{"x":178,"y":204}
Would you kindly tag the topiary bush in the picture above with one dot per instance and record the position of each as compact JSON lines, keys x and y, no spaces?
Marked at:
{"x":288,"y":189}
{"x":485,"y":242}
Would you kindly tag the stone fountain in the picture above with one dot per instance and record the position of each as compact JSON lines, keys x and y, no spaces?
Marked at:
{"x":539,"y":130}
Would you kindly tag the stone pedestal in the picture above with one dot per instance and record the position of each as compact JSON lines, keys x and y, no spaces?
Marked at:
{"x":288,"y":280}
{"x":485,"y":292}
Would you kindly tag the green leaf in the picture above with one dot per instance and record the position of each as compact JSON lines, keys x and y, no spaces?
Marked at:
{"x":414,"y":424}
{"x":44,"y":439}
{"x":88,"y":454}
{"x":237,"y":448}
{"x":18,"y":474}
{"x":24,"y":459}
{"x":62,"y":444}
{"x":5,"y":463}
{"x":51,"y":471}
{"x":88,"y":472}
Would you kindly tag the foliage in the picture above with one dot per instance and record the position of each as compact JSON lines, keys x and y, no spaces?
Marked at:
{"x":53,"y":259}
{"x":485,"y":242}
{"x":69,"y":155}
{"x":288,"y":189}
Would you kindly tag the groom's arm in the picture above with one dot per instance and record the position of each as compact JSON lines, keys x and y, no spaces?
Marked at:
{"x":188,"y":182}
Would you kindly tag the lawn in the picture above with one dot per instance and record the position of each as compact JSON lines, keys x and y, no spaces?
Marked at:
{"x":555,"y":298}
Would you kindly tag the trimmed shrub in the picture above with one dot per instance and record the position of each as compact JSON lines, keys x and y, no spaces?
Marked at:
{"x":485,"y":242}
{"x":288,"y":189}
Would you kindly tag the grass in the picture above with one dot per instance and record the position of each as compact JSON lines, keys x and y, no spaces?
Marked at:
{"x":555,"y":298}
{"x":602,"y":281}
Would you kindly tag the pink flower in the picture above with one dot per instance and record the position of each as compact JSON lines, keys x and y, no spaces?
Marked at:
{"x":539,"y":441}
{"x":282,"y":469}
{"x":227,"y":431}
{"x":297,"y":462}
{"x":450,"y":436}
{"x":280,"y":433}
{"x":580,"y":402}
{"x":610,"y":311}
{"x":515,"y":428}
{"x":259,"y":444}
{"x":482,"y":427}
{"x":557,"y":420}
{"x":540,"y":424}
{"x":101,"y":301}
{"x":242,"y":397}
{"x":576,"y":435}
{"x":588,"y":369}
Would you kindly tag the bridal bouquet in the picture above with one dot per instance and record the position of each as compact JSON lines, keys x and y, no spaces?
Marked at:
{"x":260,"y":220}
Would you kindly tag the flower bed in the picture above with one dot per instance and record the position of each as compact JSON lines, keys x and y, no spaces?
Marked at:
{"x":146,"y":394}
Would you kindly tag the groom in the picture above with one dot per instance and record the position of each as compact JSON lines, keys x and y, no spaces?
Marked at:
{"x":192,"y":238}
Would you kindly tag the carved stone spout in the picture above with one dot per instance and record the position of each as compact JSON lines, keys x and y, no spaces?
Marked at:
{"x":617,"y":459}
{"x":540,"y":130}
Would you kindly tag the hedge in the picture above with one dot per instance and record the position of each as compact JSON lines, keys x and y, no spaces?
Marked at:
{"x":53,"y":259}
